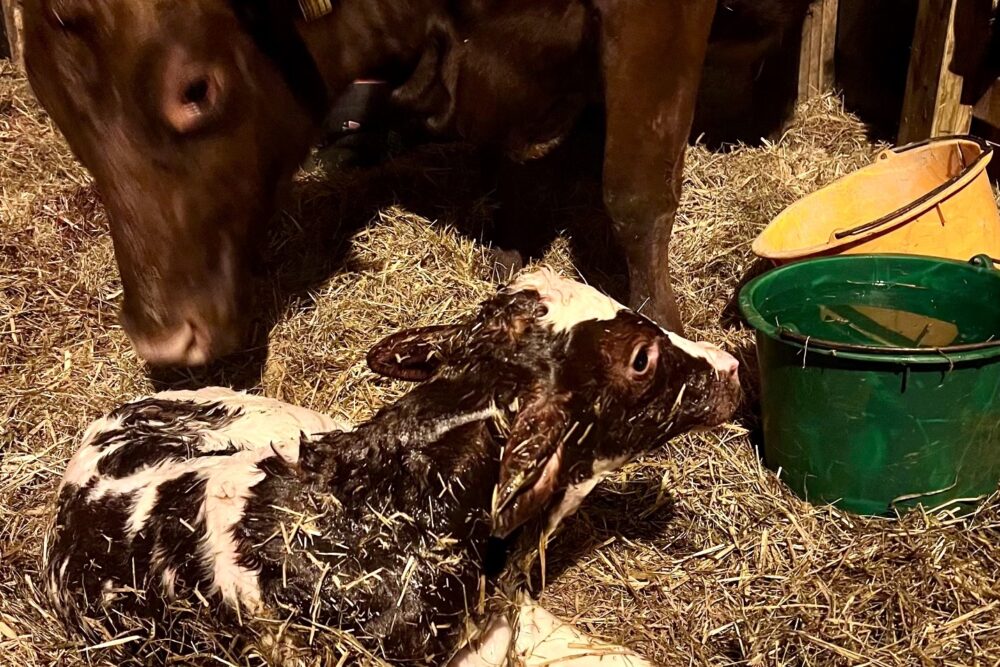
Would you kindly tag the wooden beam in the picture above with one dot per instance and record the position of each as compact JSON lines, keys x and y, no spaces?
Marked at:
{"x":4,"y":45}
{"x":987,"y":109}
{"x":14,"y":28}
{"x":932,"y":105}
{"x":819,"y":38}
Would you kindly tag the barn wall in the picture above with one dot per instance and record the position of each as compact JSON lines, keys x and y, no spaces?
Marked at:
{"x":4,"y":44}
{"x":872,"y":58}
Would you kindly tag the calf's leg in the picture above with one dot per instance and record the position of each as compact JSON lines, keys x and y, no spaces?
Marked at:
{"x":652,"y":53}
{"x":539,"y":639}
{"x":542,"y":639}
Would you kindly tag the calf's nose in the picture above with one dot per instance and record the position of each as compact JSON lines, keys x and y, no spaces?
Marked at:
{"x":725,"y":364}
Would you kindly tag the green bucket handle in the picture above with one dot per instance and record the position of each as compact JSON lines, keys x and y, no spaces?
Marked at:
{"x":982,"y":261}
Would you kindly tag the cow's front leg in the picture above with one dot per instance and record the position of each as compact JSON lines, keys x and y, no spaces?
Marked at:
{"x":652,"y":55}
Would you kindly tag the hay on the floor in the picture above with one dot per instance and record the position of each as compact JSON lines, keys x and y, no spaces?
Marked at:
{"x":694,"y":556}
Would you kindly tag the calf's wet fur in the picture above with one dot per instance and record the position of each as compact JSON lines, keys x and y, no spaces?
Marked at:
{"x":303,"y":535}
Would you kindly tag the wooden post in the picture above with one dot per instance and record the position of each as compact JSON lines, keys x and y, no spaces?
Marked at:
{"x":932,"y":104}
{"x":819,"y":37}
{"x":14,"y":28}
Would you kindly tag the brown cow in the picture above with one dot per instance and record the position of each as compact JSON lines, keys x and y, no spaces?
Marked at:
{"x":192,"y":115}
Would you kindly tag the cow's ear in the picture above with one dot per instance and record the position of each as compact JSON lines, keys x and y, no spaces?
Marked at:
{"x":413,"y":354}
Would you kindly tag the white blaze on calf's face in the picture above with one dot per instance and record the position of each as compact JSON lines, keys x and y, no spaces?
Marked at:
{"x":722,"y":362}
{"x":568,"y":301}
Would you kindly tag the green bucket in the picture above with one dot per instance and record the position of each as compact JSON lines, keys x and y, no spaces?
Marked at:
{"x":880,"y":377}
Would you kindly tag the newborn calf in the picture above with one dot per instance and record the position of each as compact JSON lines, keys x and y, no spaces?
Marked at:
{"x":306,"y":537}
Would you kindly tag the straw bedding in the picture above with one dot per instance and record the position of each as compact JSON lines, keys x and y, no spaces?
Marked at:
{"x":697,"y":555}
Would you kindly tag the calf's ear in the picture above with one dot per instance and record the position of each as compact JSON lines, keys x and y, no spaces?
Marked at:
{"x":413,"y":354}
{"x":532,"y":460}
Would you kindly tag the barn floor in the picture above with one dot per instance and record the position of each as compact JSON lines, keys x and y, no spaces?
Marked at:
{"x":694,"y":556}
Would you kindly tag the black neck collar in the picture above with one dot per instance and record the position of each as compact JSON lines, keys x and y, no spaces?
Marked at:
{"x":271,"y":24}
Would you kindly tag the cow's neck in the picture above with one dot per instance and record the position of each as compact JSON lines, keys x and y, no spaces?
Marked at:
{"x":360,"y":37}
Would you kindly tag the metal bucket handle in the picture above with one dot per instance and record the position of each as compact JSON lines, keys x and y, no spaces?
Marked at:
{"x":985,"y":151}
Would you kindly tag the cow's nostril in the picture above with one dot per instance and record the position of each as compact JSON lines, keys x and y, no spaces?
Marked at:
{"x":166,"y":348}
{"x":199,"y":348}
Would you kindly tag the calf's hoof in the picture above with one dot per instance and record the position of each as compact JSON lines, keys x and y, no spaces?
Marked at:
{"x":506,"y":263}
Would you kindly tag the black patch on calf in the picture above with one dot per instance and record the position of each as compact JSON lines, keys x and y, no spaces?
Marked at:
{"x":150,"y":447}
{"x":174,"y":413}
{"x":402,"y":527}
{"x":86,"y":549}
{"x":174,"y":533}
{"x":154,"y":431}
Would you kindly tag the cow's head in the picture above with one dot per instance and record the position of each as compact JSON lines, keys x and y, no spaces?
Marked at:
{"x":187,"y":116}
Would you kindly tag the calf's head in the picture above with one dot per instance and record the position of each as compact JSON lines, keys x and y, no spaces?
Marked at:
{"x":188,"y":123}
{"x":594,"y":385}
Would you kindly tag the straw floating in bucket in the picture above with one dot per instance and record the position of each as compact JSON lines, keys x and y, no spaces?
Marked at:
{"x":929,"y":198}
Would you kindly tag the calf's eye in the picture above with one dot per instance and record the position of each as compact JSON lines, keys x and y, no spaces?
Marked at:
{"x":641,"y":361}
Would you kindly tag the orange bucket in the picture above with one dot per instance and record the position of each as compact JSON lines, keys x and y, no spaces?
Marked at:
{"x":928,"y":198}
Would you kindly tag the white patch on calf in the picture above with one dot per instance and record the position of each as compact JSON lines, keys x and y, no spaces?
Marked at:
{"x":142,"y":508}
{"x":264,"y":428}
{"x":227,"y":489}
{"x":168,"y":580}
{"x":490,"y":650}
{"x":576,"y":493}
{"x":569,"y":302}
{"x":689,"y":347}
{"x":723,"y":363}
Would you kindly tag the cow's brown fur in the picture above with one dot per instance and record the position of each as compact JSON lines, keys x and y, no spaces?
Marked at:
{"x":190,"y":129}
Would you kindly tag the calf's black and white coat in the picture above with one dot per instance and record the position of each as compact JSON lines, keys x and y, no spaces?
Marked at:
{"x":300,"y":531}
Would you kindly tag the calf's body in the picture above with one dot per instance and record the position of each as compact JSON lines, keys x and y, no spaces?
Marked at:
{"x":302,"y":532}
